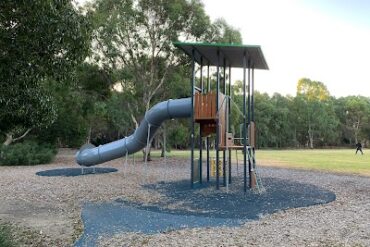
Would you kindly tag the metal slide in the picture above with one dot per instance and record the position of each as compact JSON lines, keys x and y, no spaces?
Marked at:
{"x":90,"y":155}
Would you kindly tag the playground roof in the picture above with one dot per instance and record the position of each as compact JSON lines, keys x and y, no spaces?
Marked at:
{"x":232,"y":54}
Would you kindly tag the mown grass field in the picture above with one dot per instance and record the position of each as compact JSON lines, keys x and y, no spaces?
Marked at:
{"x":331,"y":160}
{"x":328,"y":160}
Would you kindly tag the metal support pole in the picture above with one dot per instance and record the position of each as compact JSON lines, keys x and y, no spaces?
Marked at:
{"x":226,"y":172}
{"x":253,"y":178}
{"x":147,"y":151}
{"x":208,"y":144}
{"x":244,"y":122}
{"x":164,"y":151}
{"x":250,"y":168}
{"x":192,"y":118}
{"x":229,"y":118}
{"x":225,"y":127}
{"x":252,"y":98}
{"x":200,"y":156}
{"x":217,"y":122}
{"x":201,"y":76}
{"x":200,"y":129}
{"x":147,"y":144}
{"x":249,"y":95}
{"x":126,"y":158}
{"x":208,"y":80}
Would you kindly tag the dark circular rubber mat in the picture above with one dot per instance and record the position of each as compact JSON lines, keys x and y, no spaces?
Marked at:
{"x":73,"y":172}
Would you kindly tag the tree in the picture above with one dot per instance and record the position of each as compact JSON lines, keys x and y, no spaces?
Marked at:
{"x":81,"y":108}
{"x":39,"y":40}
{"x":222,"y":32}
{"x":317,"y":118}
{"x":135,"y":38}
{"x":133,"y":42}
{"x":263,"y":113}
{"x":357,"y":112}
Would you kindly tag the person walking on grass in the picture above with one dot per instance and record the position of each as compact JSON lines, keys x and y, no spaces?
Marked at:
{"x":359,"y":147}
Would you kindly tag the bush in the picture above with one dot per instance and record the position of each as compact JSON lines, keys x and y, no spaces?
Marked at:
{"x":5,"y":237}
{"x":27,"y":153}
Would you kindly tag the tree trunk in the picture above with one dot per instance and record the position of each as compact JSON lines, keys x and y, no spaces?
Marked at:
{"x":163,"y":142}
{"x":356,"y":130}
{"x":162,"y":151}
{"x":148,"y":155}
{"x":310,"y":136}
{"x":8,"y":140}
{"x":88,"y":139}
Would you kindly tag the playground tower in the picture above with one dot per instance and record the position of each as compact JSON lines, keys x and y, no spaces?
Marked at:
{"x":212,"y":109}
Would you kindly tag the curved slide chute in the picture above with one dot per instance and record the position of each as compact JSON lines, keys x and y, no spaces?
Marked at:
{"x":89,"y":155}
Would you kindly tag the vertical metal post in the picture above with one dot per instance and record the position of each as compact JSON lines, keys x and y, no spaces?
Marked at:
{"x":250,"y":168}
{"x":244,"y":122}
{"x":252,"y":98}
{"x":249,"y":95}
{"x":208,"y":90}
{"x":201,"y":76}
{"x":192,"y":118}
{"x":200,"y":129}
{"x":224,"y":127}
{"x":164,"y":143}
{"x":217,"y":122}
{"x":229,"y":118}
{"x":252,"y":173}
{"x":208,"y":80}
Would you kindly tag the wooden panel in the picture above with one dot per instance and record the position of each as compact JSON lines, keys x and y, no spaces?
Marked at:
{"x":229,"y":139}
{"x":205,"y":113}
{"x":212,"y":105}
{"x":222,"y":119}
{"x":230,"y":143}
{"x":208,"y":129}
{"x":204,"y":107}
{"x":231,"y":147}
{"x":252,"y":134}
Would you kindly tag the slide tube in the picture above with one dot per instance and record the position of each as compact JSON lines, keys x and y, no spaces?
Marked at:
{"x":170,"y":109}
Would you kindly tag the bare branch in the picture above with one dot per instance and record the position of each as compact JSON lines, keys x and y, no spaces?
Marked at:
{"x":22,"y":136}
{"x":161,"y":82}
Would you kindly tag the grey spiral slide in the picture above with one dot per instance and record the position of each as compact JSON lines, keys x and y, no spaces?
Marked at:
{"x":90,"y":155}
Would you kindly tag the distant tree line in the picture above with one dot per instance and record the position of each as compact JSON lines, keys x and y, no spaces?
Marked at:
{"x":311,"y":119}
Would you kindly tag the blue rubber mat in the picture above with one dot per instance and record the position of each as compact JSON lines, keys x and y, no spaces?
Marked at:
{"x":201,"y":207}
{"x":72,"y":172}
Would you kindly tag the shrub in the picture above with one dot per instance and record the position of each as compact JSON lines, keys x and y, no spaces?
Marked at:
{"x":27,"y":153}
{"x":5,"y":237}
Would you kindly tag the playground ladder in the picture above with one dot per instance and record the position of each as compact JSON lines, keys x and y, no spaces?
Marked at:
{"x":252,"y":156}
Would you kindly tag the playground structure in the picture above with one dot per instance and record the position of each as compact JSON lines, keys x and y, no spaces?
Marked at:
{"x":210,"y":109}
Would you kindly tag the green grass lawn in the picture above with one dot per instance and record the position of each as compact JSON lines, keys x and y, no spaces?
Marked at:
{"x":329,"y":160}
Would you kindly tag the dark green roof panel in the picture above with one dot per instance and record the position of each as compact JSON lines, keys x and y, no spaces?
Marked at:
{"x":206,"y":54}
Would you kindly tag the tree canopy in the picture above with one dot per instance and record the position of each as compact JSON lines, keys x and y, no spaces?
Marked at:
{"x":39,"y":40}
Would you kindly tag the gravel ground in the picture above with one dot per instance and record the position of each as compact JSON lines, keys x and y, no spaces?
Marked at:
{"x":49,"y":208}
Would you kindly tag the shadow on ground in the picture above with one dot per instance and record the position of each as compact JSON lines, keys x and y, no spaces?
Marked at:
{"x":201,"y":207}
{"x":73,"y":172}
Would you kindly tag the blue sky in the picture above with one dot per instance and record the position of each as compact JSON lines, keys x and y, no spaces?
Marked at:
{"x":324,"y":40}
{"x":355,"y":12}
